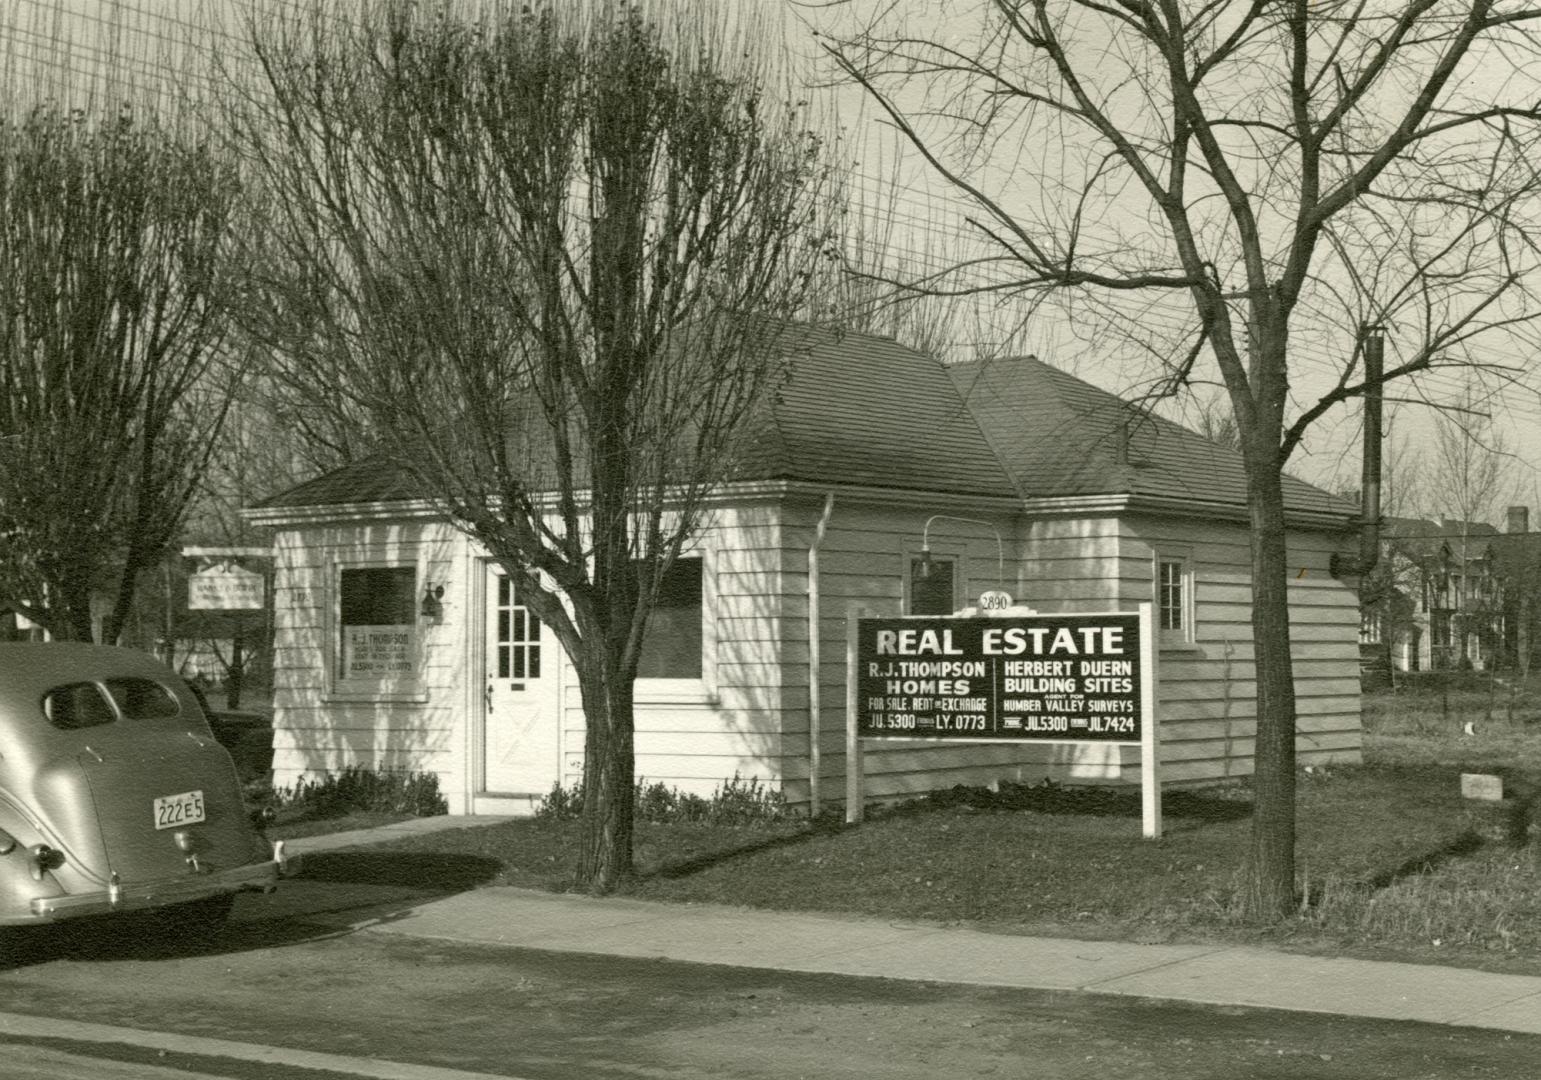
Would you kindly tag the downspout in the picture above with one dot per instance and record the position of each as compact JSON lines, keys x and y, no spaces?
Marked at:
{"x":1369,"y":487}
{"x":814,"y":727}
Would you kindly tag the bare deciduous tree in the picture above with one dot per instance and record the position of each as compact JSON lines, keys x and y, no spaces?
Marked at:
{"x":1267,"y":177}
{"x":113,"y":383}
{"x":1468,"y":480}
{"x":547,"y":255}
{"x":1467,"y":466}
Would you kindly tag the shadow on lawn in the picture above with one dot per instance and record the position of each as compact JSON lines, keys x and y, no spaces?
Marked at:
{"x":440,"y":874}
{"x":685,"y":867}
{"x":1513,"y":831}
{"x":1046,"y":798}
{"x":1052,"y":798}
{"x":1464,"y":844}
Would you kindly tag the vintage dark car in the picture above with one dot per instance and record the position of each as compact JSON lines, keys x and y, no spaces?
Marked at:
{"x":114,"y":794}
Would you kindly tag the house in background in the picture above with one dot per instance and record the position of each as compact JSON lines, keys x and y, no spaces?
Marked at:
{"x":1456,"y":595}
{"x":1441,"y":609}
{"x":14,"y":626}
{"x":882,"y":480}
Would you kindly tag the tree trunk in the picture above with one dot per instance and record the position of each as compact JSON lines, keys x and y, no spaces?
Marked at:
{"x":74,"y":605}
{"x":1271,"y":872}
{"x":235,"y":678}
{"x":609,"y":770}
{"x":1522,"y":636}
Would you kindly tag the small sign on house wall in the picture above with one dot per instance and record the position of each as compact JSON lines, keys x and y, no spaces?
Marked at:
{"x":373,"y":652}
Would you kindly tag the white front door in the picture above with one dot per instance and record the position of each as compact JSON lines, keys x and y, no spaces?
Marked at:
{"x":521,"y":722}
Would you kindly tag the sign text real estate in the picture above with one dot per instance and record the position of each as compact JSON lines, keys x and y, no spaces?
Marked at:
{"x":1070,"y":678}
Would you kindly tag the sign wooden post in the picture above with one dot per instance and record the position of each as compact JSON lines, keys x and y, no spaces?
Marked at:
{"x":1150,"y":741}
{"x":1006,"y":676}
{"x":853,"y":762}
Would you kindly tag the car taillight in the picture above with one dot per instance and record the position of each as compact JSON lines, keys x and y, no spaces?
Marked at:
{"x":7,"y":843}
{"x":41,"y":858}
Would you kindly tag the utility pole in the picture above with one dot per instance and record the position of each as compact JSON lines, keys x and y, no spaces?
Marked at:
{"x":1370,"y":474}
{"x":1376,"y":669}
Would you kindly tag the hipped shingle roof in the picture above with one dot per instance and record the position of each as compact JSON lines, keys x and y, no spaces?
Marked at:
{"x":857,"y":409}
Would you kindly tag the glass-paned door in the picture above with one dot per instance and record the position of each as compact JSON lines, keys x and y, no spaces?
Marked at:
{"x":521,"y":721}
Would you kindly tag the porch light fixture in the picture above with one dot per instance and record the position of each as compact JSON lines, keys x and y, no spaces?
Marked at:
{"x":432,"y":607}
{"x":925,"y":546}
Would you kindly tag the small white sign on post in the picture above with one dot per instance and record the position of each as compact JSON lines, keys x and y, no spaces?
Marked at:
{"x":225,"y":588}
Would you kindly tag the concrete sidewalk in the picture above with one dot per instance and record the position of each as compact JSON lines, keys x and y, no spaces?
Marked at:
{"x":842,"y":945}
{"x":297,"y":848}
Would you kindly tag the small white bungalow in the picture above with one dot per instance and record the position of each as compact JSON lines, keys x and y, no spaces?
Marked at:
{"x":400,"y":645}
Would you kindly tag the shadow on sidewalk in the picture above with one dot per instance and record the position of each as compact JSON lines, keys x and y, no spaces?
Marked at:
{"x":332,"y":893}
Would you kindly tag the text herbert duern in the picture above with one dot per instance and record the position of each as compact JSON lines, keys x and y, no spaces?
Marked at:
{"x":1039,"y":677}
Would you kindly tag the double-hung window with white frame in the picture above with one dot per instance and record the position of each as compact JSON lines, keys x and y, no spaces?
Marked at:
{"x":677,"y":662}
{"x":377,"y":651}
{"x":1173,"y":572}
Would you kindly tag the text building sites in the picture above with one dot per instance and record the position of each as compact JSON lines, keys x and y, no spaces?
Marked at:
{"x":1051,"y":677}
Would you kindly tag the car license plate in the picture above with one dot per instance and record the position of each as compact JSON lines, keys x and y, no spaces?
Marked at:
{"x":174,"y":810}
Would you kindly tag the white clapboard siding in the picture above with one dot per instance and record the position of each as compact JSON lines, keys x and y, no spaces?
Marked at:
{"x":1094,"y":564}
{"x":318,"y":731}
{"x":1214,"y":679}
{"x":864,"y":562}
{"x":748,"y":715}
{"x":731,"y":725}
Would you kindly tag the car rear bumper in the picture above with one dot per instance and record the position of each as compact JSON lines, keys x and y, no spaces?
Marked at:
{"x":140,"y":896}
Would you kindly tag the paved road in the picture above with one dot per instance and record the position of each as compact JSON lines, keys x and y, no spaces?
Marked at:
{"x":41,"y":1048}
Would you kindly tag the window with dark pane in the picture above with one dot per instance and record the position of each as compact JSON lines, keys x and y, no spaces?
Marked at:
{"x":1170,"y":601}
{"x":671,"y":648}
{"x":79,"y":705}
{"x":379,"y":596}
{"x":143,"y":699}
{"x":377,"y":608}
{"x":931,"y":587}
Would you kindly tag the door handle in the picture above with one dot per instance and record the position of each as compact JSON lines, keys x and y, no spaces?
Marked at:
{"x":489,"y":698}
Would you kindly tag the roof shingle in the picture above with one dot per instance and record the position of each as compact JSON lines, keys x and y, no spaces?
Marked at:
{"x":1061,"y":436}
{"x":858,"y":409}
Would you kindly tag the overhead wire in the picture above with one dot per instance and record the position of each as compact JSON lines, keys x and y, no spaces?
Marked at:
{"x":921,"y":224}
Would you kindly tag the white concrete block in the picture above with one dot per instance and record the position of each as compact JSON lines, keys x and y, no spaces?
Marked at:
{"x":1482,"y":786}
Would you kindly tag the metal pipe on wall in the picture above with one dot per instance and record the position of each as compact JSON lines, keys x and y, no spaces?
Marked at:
{"x":814,"y":721}
{"x":1370,"y":479}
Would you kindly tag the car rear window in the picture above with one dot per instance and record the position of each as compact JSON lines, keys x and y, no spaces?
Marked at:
{"x":78,"y":705}
{"x":143,"y":699}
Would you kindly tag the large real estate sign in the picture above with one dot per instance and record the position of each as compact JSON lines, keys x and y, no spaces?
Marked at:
{"x":1002,"y":678}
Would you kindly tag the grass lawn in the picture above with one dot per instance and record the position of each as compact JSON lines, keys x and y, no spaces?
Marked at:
{"x":300,"y":825}
{"x":1392,"y":861}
